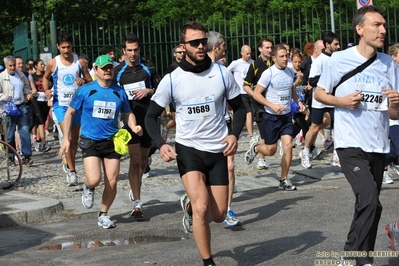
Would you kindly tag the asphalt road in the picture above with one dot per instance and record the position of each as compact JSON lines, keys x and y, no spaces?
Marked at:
{"x":278,"y":228}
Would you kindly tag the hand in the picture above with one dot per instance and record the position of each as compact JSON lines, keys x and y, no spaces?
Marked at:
{"x":352,"y":101}
{"x":302,"y":107}
{"x":278,"y":108}
{"x":138,"y":130}
{"x":392,"y":95}
{"x":231,"y":148}
{"x":167,"y":153}
{"x":140,"y":94}
{"x":80,"y":81}
{"x":49,"y":94}
{"x":64,"y":147}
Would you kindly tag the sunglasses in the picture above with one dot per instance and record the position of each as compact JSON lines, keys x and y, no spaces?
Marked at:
{"x":179,"y":52}
{"x":197,"y":42}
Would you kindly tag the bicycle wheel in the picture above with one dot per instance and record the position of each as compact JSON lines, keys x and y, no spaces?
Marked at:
{"x":10,"y":166}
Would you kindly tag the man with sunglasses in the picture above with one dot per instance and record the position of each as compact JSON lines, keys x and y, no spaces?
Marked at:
{"x":139,"y":80}
{"x":199,"y":89}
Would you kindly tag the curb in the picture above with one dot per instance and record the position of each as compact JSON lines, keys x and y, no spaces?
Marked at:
{"x":16,"y":211}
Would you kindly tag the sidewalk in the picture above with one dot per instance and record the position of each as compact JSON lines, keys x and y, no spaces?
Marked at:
{"x":17,"y":208}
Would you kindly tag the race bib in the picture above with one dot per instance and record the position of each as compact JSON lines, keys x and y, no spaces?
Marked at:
{"x":130,"y":88}
{"x":41,"y":97}
{"x":199,"y":107}
{"x":284,"y":97}
{"x":65,"y":96}
{"x":372,"y":98}
{"x":104,"y":110}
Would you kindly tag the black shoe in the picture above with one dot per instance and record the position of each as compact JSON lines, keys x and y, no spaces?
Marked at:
{"x":27,"y":160}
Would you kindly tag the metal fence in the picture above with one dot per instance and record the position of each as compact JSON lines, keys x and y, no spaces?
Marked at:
{"x":295,"y":27}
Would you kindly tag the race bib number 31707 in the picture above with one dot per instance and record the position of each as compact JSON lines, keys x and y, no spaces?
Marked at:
{"x":104,"y":110}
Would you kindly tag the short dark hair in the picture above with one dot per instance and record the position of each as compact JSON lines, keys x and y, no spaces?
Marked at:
{"x":261,"y":41}
{"x":64,"y":37}
{"x":193,"y":25}
{"x":28,"y":60}
{"x":277,"y":48}
{"x":358,"y":18}
{"x":107,"y":49}
{"x":329,"y":37}
{"x":130,"y":38}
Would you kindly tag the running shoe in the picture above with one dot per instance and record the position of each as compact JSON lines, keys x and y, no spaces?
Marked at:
{"x":231,"y":218}
{"x":65,"y":168}
{"x":105,"y":222}
{"x":131,"y":195}
{"x":315,"y":153}
{"x":137,"y":211}
{"x":386,"y":179}
{"x":87,"y":197}
{"x":45,"y":148}
{"x":72,"y":178}
{"x":146,"y":175}
{"x":327,"y":144}
{"x":188,"y":213}
{"x":393,"y":234}
{"x":38,"y":145}
{"x":251,"y":153}
{"x":286,"y":185}
{"x":27,"y":160}
{"x":262,"y":165}
{"x":335,"y":160}
{"x":305,"y":160}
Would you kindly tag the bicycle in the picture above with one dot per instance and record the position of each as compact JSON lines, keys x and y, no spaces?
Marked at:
{"x":10,"y":159}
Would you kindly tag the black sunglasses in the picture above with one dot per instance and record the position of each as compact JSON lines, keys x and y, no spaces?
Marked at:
{"x":197,"y":42}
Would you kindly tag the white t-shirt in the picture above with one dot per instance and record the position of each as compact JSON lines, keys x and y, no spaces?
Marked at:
{"x":278,"y":85}
{"x":363,"y":127}
{"x":200,"y":102}
{"x":240,"y":68}
{"x":315,"y":70}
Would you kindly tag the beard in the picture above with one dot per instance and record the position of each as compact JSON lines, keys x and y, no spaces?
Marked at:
{"x":193,"y":58}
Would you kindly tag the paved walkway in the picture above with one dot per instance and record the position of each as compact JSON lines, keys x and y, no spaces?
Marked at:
{"x":43,"y":195}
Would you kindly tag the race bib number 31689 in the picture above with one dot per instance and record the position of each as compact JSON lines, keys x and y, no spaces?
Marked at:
{"x":198,"y":107}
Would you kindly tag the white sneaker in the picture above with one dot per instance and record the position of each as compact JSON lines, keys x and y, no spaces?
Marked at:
{"x":146,"y":175}
{"x":386,"y":179}
{"x":72,"y":179}
{"x":335,"y":160}
{"x":38,"y":146}
{"x":137,"y":211}
{"x":305,"y":160}
{"x":262,"y":165}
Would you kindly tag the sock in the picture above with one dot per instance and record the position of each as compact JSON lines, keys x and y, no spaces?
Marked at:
{"x":209,"y":262}
{"x":306,"y":150}
{"x":102,"y":214}
{"x":228,"y":209}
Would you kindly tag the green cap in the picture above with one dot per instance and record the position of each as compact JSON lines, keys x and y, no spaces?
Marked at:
{"x":103,"y":60}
